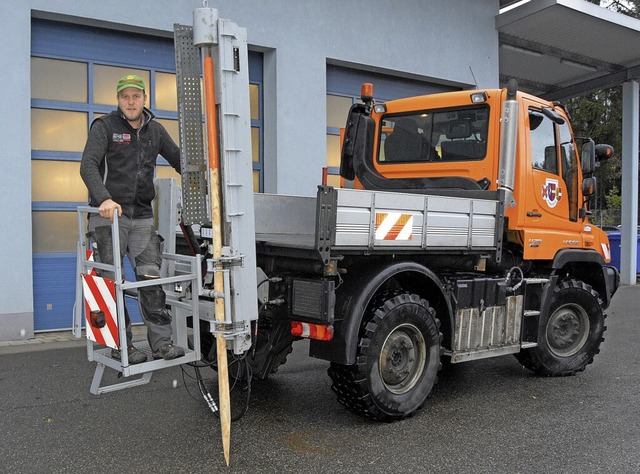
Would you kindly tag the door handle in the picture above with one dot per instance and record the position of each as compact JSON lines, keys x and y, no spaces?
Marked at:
{"x":533,"y":214}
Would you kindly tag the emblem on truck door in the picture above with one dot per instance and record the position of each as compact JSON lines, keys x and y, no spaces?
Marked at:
{"x":551,"y":192}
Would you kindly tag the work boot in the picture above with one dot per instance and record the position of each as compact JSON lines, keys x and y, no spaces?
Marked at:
{"x":168,"y":352}
{"x":136,"y":356}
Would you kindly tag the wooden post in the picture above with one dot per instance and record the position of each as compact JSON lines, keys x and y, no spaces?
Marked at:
{"x":216,"y":222}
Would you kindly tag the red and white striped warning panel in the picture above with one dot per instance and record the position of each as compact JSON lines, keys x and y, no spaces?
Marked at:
{"x":394,"y":226}
{"x":90,"y":271}
{"x":100,"y":310}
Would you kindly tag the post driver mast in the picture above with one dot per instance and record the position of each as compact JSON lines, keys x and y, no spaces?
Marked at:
{"x":218,"y":167}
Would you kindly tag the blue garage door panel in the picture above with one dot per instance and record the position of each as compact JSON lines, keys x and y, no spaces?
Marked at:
{"x":346,"y":81}
{"x":54,"y":276}
{"x":57,"y":39}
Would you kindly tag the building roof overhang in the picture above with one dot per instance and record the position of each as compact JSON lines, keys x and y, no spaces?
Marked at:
{"x":558,"y":49}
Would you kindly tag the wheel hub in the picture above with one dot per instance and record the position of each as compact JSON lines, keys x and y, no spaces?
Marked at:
{"x":402,"y":358}
{"x":567,"y":330}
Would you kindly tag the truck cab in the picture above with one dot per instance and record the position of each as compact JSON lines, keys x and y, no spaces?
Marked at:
{"x":454,"y":143}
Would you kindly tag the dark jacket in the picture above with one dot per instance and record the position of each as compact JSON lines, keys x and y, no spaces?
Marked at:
{"x":119,"y":162}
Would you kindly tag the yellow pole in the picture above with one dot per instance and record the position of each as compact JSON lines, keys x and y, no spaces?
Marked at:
{"x":216,"y":222}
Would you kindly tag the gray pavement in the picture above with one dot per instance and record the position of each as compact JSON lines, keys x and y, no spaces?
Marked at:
{"x":489,"y":416}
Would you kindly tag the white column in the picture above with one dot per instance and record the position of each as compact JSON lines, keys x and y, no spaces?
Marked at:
{"x":629,"y":232}
{"x":16,"y":277}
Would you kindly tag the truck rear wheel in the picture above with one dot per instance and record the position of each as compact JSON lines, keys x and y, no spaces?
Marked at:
{"x":398,"y":360}
{"x":570,"y":336}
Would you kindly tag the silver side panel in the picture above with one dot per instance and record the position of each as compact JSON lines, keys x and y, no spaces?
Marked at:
{"x":232,"y":83}
{"x":488,"y":333}
{"x":285,"y":219}
{"x":376,"y":219}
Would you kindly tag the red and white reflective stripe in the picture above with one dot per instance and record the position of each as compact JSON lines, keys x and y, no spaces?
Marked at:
{"x":312,"y":331}
{"x":394,"y":226}
{"x":90,"y":271}
{"x":100,"y":295}
{"x":606,"y":250}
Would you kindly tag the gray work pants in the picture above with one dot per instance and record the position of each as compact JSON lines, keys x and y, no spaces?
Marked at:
{"x":142,"y":245}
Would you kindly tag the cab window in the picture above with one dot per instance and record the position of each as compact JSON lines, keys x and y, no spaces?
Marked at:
{"x":434,"y":135}
{"x":569,"y":168}
{"x":544,"y":155}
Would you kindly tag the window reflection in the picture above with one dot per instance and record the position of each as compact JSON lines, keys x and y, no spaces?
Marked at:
{"x":58,"y":130}
{"x":172,"y":127}
{"x":167,"y":171}
{"x":333,"y":150}
{"x":57,"y":181}
{"x":544,"y":155}
{"x":255,"y":145}
{"x":256,"y":181}
{"x":54,"y":79}
{"x":54,"y":231}
{"x":458,"y":134}
{"x":254,"y":101}
{"x":105,"y":79}
{"x":166,"y":97}
{"x":337,"y":110}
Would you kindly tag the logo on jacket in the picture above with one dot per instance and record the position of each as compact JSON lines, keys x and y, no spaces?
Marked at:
{"x":551,"y":192}
{"x":122,"y":138}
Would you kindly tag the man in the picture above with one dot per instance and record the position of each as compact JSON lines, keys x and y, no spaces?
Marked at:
{"x":118,"y":167}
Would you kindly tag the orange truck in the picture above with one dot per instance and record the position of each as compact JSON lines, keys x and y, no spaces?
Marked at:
{"x":463,"y":234}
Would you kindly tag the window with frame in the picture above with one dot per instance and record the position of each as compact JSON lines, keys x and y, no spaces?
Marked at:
{"x":542,"y":138}
{"x":67,"y":95}
{"x":434,"y":136}
{"x":69,"y":91}
{"x":569,"y":168}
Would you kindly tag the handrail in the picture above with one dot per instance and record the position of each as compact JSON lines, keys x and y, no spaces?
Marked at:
{"x":84,"y":265}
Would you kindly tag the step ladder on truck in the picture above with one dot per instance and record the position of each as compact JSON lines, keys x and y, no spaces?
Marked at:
{"x":188,"y":280}
{"x":102,"y":300}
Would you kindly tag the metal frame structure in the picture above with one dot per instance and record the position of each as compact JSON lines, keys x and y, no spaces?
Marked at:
{"x":238,"y":260}
{"x":186,"y":269}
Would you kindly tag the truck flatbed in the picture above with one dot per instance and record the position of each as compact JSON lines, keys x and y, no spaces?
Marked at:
{"x":352,"y":220}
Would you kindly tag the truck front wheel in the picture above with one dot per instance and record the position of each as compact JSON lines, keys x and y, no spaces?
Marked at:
{"x":570,"y":336}
{"x":397,"y":361}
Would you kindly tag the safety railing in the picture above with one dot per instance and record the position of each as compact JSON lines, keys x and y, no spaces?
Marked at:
{"x":183,"y":288}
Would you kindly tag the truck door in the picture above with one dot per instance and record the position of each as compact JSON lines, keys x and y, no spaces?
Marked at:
{"x":551,"y":197}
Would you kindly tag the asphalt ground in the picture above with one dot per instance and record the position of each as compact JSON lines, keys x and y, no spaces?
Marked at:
{"x":488,"y":416}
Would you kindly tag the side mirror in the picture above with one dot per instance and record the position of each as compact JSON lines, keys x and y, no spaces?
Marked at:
{"x":603,"y":152}
{"x":589,"y":189}
{"x":588,"y":157}
{"x":358,"y":140}
{"x":589,"y":186}
{"x":350,"y":134}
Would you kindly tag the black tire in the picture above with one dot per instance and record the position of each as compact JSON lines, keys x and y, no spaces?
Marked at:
{"x":570,"y":336}
{"x":398,"y":360}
